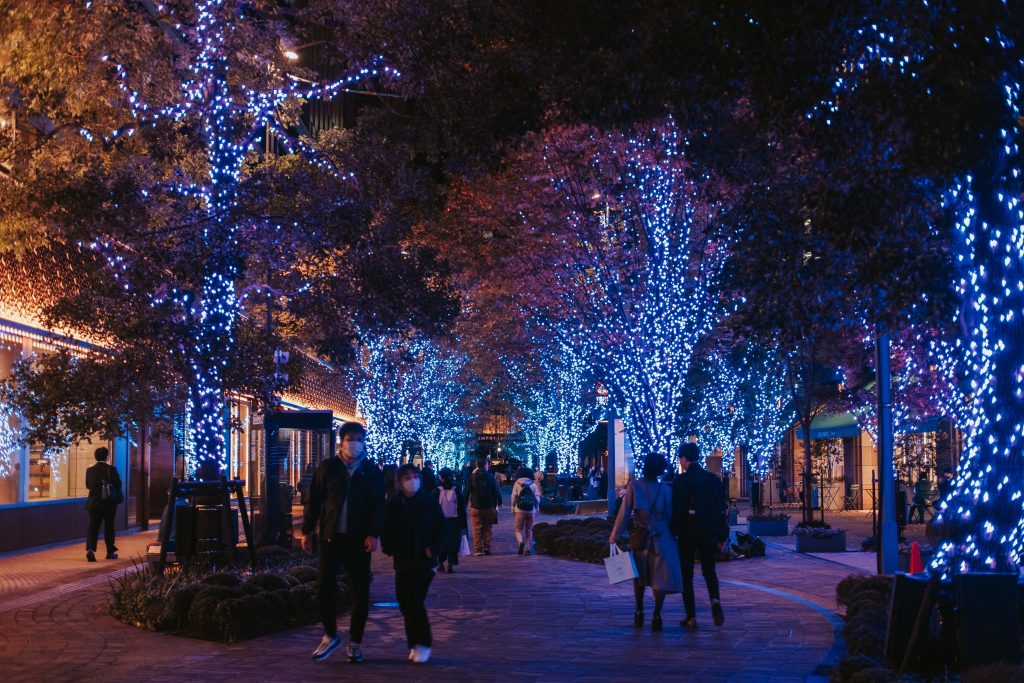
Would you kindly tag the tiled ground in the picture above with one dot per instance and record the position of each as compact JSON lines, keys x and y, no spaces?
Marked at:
{"x":501,"y":617}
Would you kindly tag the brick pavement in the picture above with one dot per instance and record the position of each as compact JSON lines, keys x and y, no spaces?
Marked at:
{"x":532,"y":618}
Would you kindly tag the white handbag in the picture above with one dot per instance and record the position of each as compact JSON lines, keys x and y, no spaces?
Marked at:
{"x":464,"y":546}
{"x":620,"y":565}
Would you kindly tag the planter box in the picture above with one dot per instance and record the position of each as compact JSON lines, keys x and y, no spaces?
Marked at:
{"x":808,"y":544}
{"x":775,"y":527}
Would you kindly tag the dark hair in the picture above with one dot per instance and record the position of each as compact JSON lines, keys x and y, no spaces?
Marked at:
{"x":480,"y":462}
{"x":446,"y":477}
{"x":524,"y":473}
{"x":654,"y":465}
{"x":428,"y":463}
{"x":406,"y":469}
{"x":101,"y":454}
{"x":349,"y":428}
{"x":690,"y":451}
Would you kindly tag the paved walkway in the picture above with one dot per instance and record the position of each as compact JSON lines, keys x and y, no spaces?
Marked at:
{"x":500,"y":617}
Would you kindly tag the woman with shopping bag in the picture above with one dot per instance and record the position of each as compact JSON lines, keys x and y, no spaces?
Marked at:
{"x":648,"y":505}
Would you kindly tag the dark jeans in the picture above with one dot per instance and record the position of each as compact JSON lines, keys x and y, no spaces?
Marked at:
{"x":412,"y":588}
{"x":350,"y":552}
{"x":95,"y":518}
{"x":688,"y":549}
{"x":920,"y":509}
{"x":452,"y":540}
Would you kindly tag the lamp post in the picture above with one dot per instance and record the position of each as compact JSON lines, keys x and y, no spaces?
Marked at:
{"x":888,"y":531}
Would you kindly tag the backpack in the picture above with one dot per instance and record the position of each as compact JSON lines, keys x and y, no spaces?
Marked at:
{"x":527,"y":501}
{"x":449,"y":502}
{"x":111,"y":492}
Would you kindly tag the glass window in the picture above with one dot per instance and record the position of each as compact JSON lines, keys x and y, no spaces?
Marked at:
{"x":57,"y":473}
{"x":10,"y":450}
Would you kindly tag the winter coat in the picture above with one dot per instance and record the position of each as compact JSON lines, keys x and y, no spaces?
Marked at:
{"x":413,"y":524}
{"x":517,"y":489}
{"x":94,"y":477}
{"x":332,"y":486}
{"x":657,"y":565}
{"x":699,"y":506}
{"x":483,"y":491}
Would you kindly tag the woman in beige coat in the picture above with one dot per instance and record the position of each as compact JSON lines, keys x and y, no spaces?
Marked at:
{"x":648,"y":503}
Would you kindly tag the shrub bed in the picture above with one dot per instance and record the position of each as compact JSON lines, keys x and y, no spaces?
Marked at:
{"x":224,"y":604}
{"x":587,"y":540}
{"x":553,"y":505}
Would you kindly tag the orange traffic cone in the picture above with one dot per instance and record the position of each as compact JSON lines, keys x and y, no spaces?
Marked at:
{"x":916,"y":566}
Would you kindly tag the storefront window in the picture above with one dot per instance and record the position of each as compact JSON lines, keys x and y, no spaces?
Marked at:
{"x":57,"y":473}
{"x":10,"y":450}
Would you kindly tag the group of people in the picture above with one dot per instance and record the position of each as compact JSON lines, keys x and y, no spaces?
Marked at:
{"x":669,"y":527}
{"x":419,"y":518}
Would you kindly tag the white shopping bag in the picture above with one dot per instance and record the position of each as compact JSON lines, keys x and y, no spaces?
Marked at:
{"x":620,"y":565}
{"x":464,"y":546}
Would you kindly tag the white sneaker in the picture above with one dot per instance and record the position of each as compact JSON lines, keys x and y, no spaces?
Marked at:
{"x":412,"y":654}
{"x":421,"y":654}
{"x":326,"y":647}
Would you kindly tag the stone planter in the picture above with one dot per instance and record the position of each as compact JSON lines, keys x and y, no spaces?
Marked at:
{"x":809,"y":544}
{"x":773,"y":527}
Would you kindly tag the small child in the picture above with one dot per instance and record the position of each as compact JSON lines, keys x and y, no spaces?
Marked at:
{"x":414,"y":529}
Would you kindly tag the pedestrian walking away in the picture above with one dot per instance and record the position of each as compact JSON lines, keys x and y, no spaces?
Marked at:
{"x":104,"y":486}
{"x":484,"y":503}
{"x":414,"y":531}
{"x":346,"y":506}
{"x":453,"y":506}
{"x":922,"y":495}
{"x":525,"y":503}
{"x":701,"y":524}
{"x":647,"y":503}
{"x":428,"y":478}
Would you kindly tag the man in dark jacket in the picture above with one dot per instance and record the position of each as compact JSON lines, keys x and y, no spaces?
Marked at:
{"x":346,"y":504}
{"x":428,"y":477}
{"x":414,"y":529}
{"x":484,"y":502}
{"x":101,"y":509}
{"x":701,"y":526}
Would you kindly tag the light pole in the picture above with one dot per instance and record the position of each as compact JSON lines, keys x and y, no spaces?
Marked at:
{"x":888,"y":531}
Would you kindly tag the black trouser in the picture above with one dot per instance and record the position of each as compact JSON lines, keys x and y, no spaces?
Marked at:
{"x":919,"y":508}
{"x":350,"y":551}
{"x":412,"y":588}
{"x":95,"y":518}
{"x":452,"y":540}
{"x":708,"y":550}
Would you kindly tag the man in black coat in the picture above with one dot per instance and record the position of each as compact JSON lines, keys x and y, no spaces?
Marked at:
{"x":101,"y":509}
{"x":701,"y":526}
{"x":484,"y":502}
{"x":346,"y":504}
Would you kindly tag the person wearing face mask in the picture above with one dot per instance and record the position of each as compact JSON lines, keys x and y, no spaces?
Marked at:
{"x":345,"y":504}
{"x":414,"y":530}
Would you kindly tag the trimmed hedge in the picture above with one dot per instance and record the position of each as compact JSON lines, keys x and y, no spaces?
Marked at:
{"x":229,"y":604}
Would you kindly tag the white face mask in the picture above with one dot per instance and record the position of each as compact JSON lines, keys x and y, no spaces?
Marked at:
{"x":351,"y":450}
{"x":411,"y":485}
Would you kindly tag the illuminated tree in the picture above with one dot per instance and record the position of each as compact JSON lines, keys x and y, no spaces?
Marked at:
{"x":551,"y":393}
{"x":768,"y":413}
{"x":438,"y":420}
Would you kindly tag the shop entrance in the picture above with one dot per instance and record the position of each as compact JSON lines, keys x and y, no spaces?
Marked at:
{"x":295,"y":442}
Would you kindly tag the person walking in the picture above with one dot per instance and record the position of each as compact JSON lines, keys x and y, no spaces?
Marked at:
{"x":525,"y":503}
{"x":484,"y":503}
{"x":919,"y":503}
{"x":428,"y":477}
{"x":648,"y":503}
{"x":104,"y":486}
{"x":538,"y":477}
{"x":700,"y":522}
{"x":346,"y":505}
{"x":453,"y":505}
{"x":414,"y":530}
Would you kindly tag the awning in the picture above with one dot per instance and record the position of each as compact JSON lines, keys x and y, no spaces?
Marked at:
{"x":835,"y":426}
{"x":832,"y":427}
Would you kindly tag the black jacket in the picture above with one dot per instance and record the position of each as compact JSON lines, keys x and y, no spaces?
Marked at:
{"x":483,"y":491}
{"x":94,"y":477}
{"x":330,"y":488}
{"x":699,"y":506}
{"x":428,"y":481}
{"x":411,"y":526}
